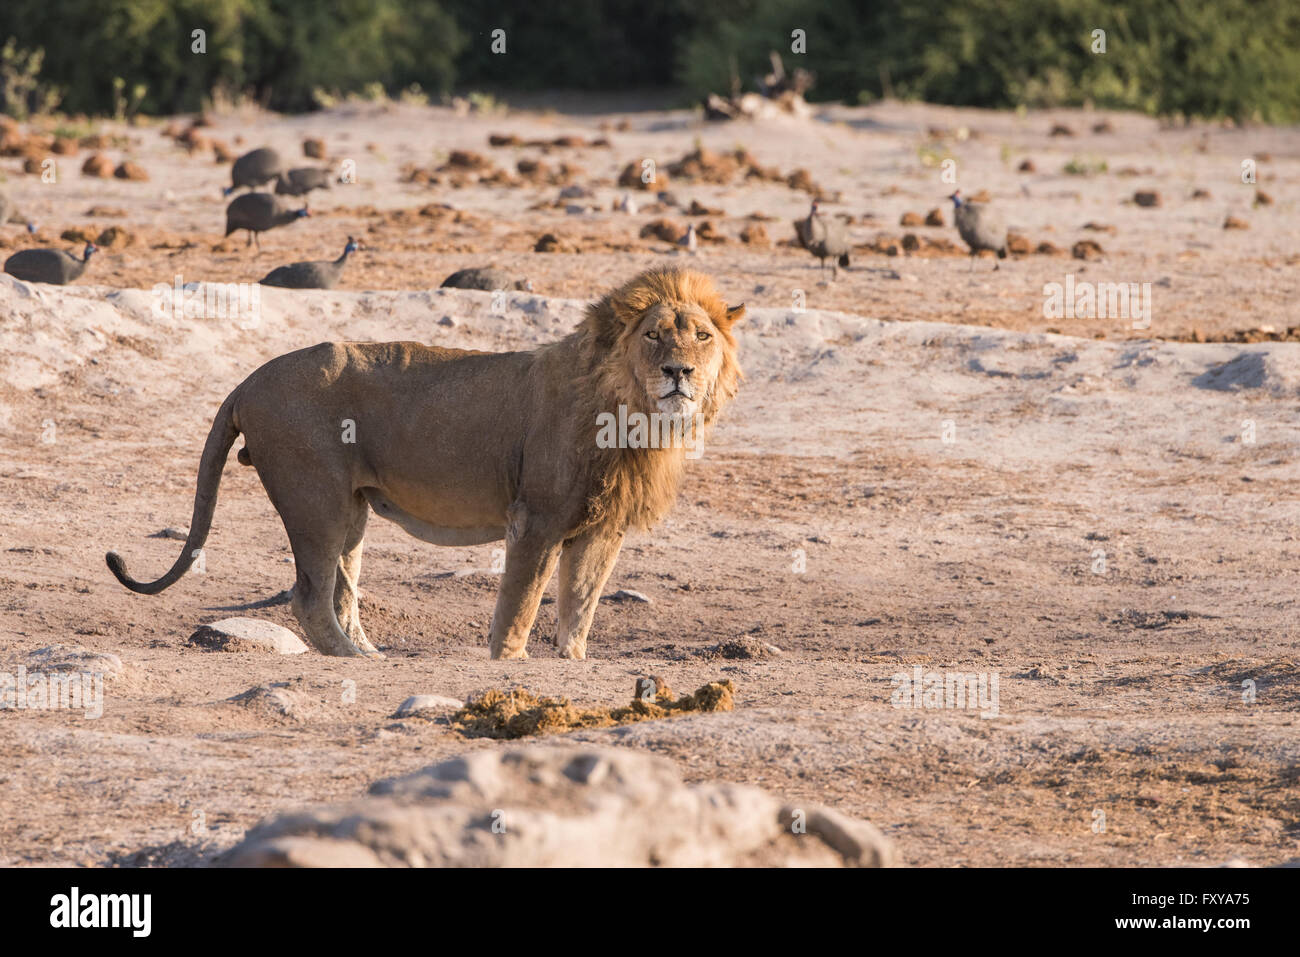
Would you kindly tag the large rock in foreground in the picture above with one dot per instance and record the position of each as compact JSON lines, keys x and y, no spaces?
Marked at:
{"x":560,"y":806}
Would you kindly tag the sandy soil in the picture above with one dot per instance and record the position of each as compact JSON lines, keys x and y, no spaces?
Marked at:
{"x":916,"y":473}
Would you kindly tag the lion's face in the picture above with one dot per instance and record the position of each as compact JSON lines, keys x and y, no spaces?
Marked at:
{"x":675,"y":353}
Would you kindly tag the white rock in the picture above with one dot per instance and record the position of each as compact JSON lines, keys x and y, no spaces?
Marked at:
{"x":420,"y":704}
{"x":626,"y":594}
{"x":238,"y":634}
{"x":565,"y":806}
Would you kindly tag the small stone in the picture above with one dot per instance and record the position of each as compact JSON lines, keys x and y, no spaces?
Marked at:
{"x":626,"y":594}
{"x":97,"y":165}
{"x":1148,"y":198}
{"x":421,"y":704}
{"x":131,"y":170}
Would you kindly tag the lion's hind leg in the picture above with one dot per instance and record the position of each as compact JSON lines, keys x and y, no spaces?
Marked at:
{"x":319,"y":528}
{"x":346,"y":592}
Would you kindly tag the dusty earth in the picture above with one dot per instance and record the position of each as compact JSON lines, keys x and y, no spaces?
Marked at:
{"x":919,"y":471}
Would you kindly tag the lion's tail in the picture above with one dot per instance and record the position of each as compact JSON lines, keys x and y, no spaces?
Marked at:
{"x":220,"y":439}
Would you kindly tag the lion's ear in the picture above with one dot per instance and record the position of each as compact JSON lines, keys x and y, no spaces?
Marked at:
{"x":735,"y":314}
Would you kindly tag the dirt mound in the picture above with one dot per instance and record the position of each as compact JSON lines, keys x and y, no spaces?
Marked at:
{"x":518,"y":712}
{"x":748,"y":649}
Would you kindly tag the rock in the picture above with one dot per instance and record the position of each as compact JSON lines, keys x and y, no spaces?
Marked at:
{"x":1018,"y":245}
{"x":97,"y":165}
{"x":467,"y":159}
{"x":699,"y":209}
{"x":934,"y":218}
{"x":79,"y":234}
{"x":247,"y":634}
{"x":130,"y":170}
{"x":743,"y":648}
{"x":669,"y":230}
{"x":420,"y":705}
{"x":626,"y":594}
{"x":550,"y":243}
{"x":114,"y":238}
{"x":630,"y":178}
{"x":911,"y":219}
{"x":709,"y":233}
{"x":561,"y":806}
{"x":279,"y":700}
{"x":1086,"y":249}
{"x":1148,"y":198}
{"x":73,"y":658}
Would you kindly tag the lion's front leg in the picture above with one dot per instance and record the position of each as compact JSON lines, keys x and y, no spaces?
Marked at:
{"x":531,"y":554}
{"x":585,"y":565}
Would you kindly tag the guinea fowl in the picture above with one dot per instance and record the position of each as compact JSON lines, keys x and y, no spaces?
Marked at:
{"x":258,"y":212}
{"x":323,"y":274}
{"x":253,"y":169}
{"x":824,"y":238}
{"x":301,"y":181}
{"x":53,"y":266}
{"x":980,"y":227}
{"x":485,"y":278}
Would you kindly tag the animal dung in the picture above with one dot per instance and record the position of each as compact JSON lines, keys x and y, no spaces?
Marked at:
{"x":519,"y":713}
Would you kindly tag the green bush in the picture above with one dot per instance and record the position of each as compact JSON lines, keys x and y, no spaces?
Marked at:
{"x":1238,"y":58}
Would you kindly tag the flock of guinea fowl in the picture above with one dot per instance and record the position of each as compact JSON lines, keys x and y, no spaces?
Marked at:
{"x":256,"y":212}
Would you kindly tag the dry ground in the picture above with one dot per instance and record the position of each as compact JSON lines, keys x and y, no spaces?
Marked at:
{"x":1121,"y":692}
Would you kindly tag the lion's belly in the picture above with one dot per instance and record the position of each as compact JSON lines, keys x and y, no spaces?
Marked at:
{"x":434,"y":532}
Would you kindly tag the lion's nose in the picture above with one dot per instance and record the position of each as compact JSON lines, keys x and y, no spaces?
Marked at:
{"x":677,"y":372}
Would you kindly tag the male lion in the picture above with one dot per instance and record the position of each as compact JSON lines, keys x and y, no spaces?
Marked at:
{"x":461,"y":448}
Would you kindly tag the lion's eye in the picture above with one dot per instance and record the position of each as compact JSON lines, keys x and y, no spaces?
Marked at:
{"x":652,"y":334}
{"x":703,"y":336}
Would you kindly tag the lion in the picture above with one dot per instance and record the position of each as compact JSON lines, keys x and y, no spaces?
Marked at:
{"x":463,"y":447}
